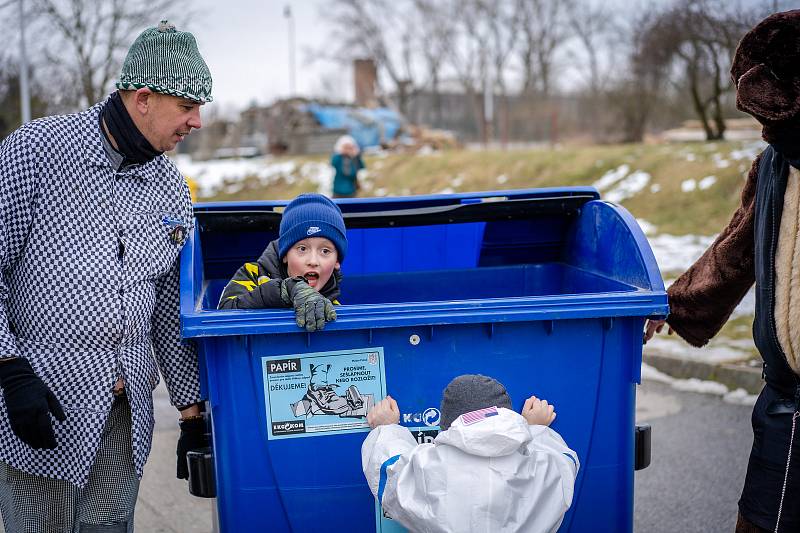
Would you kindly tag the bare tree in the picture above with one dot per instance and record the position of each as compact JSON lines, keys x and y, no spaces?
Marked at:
{"x":698,"y":39}
{"x":10,"y":112}
{"x":593,"y":24}
{"x":469,"y":57}
{"x":435,"y":35}
{"x":544,"y":29}
{"x":88,"y":38}
{"x":502,"y":18}
{"x":381,"y":30}
{"x":638,"y":91}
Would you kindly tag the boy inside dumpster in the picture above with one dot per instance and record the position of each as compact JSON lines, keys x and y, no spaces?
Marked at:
{"x":300,"y":269}
{"x":490,"y":469}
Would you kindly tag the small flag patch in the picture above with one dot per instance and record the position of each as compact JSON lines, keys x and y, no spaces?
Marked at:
{"x":476,"y":416}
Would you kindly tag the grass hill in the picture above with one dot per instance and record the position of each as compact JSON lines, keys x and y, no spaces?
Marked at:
{"x":667,"y":187}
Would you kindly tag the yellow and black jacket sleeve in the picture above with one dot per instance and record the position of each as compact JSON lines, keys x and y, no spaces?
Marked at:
{"x":251,"y":288}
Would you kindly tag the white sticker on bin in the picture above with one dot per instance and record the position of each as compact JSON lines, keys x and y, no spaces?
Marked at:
{"x":322,"y":393}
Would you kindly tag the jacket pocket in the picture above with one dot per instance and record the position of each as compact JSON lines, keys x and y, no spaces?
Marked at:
{"x":151,"y":243}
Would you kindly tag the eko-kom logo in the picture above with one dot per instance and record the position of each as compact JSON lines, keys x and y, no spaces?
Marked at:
{"x":429,"y":417}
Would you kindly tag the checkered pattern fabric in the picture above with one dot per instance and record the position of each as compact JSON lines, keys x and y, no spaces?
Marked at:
{"x":89,"y":285}
{"x":43,"y":504}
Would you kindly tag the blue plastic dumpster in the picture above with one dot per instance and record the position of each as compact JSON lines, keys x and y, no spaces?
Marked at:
{"x":545,"y":289}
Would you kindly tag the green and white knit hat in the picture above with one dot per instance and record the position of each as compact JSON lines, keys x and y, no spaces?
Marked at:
{"x":166,"y":61}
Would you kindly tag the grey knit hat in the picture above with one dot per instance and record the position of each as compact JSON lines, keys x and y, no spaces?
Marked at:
{"x":471,"y":392}
{"x":166,"y":61}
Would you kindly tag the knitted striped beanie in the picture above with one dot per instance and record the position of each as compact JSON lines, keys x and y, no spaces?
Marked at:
{"x":166,"y":61}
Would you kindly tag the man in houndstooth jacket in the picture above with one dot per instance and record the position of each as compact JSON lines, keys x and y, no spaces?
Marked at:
{"x":92,"y":219}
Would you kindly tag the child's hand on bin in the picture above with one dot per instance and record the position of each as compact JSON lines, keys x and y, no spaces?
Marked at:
{"x":538,"y":412}
{"x":311,"y":309}
{"x":384,"y":412}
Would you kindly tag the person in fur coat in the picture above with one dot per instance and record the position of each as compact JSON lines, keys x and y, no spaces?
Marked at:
{"x":761,"y":245}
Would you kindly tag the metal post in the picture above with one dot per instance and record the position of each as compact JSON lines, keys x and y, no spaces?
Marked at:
{"x":287,"y":13}
{"x":24,"y":91}
{"x":488,"y":102}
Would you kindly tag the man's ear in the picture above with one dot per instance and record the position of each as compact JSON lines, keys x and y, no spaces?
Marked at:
{"x":337,"y":266}
{"x":143,"y":99}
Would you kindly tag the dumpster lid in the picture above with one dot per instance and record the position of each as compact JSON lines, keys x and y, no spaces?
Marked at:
{"x":409,"y":211}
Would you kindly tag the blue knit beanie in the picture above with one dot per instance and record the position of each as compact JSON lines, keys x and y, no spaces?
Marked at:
{"x":312,"y":215}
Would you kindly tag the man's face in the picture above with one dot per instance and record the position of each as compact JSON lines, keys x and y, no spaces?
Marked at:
{"x":168,"y":119}
{"x":314,"y":258}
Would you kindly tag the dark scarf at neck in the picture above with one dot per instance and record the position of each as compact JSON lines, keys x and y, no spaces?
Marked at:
{"x":130,"y":141}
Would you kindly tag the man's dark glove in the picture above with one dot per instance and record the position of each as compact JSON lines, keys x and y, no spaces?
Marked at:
{"x":193,"y":437}
{"x":29,"y":403}
{"x":311,"y":309}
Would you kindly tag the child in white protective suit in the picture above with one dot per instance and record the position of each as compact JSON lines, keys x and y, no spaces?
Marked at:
{"x":489,"y":470}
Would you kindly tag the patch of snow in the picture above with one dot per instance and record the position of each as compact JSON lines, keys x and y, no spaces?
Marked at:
{"x":446,"y":190}
{"x":502,"y":178}
{"x":654,"y":188}
{"x":647,"y":227}
{"x":749,"y":151}
{"x":611,"y":177}
{"x":380,"y":191}
{"x":688,"y":185}
{"x":738,"y":396}
{"x":720,"y":161}
{"x":691,"y":157}
{"x":699,"y":385}
{"x":653,"y":374}
{"x":719,"y":350}
{"x":457,"y":181}
{"x":227,"y":174}
{"x":707,"y":182}
{"x":676,"y":253}
{"x":628,"y":187}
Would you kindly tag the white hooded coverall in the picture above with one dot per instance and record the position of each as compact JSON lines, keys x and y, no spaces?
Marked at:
{"x":497,"y":474}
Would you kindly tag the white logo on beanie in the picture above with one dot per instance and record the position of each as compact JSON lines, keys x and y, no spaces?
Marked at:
{"x":312,"y":230}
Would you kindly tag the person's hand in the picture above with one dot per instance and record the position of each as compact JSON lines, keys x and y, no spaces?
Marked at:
{"x":651,"y":327}
{"x":193,"y":437}
{"x":311,"y":309}
{"x":538,"y":412}
{"x":29,"y":403}
{"x":384,"y":412}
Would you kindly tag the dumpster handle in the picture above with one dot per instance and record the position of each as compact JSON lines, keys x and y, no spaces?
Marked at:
{"x":642,"y":460}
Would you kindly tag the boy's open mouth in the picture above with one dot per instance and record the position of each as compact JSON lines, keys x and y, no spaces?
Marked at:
{"x":311,"y":278}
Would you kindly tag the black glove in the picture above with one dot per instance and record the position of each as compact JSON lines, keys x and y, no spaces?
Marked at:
{"x":29,"y":403}
{"x":193,"y":437}
{"x":311,"y":309}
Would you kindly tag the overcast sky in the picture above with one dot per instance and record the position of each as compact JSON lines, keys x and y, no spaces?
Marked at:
{"x":246,"y":46}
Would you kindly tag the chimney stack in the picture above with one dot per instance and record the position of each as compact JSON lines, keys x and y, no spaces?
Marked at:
{"x":366,"y":80}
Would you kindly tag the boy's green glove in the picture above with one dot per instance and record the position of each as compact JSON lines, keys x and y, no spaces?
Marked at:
{"x":311,"y":309}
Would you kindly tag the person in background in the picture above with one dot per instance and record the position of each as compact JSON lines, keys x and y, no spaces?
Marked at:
{"x":490,"y":469}
{"x":92,"y":209}
{"x":346,"y":162}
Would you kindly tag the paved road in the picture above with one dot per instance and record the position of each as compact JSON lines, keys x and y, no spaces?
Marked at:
{"x":700,"y":449}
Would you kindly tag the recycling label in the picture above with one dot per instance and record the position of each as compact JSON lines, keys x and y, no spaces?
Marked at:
{"x":322,"y":393}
